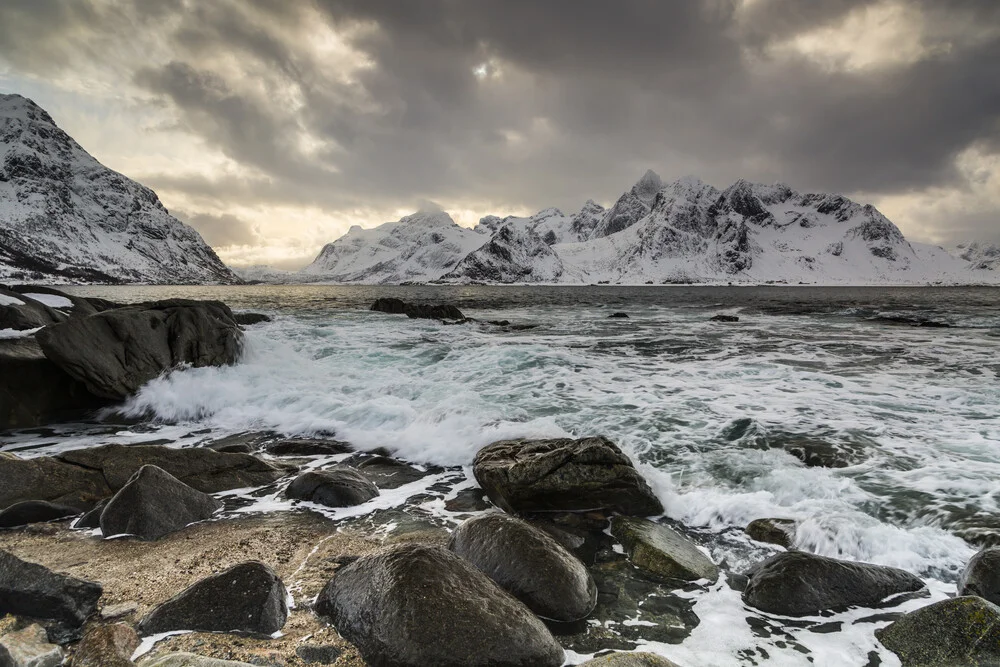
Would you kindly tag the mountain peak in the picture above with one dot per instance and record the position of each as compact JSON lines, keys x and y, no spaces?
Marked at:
{"x":647,"y":186}
{"x":428,"y":217}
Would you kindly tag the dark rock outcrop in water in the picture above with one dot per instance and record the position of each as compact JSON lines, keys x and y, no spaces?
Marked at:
{"x":337,"y":487}
{"x":412,"y":605}
{"x":563,"y":475}
{"x":724,"y":318}
{"x":795,"y":583}
{"x":394,"y":306}
{"x":982,"y":576}
{"x":82,"y":477}
{"x":117,"y":351}
{"x":248,"y":598}
{"x":249,"y":319}
{"x":527,"y":563}
{"x":34,"y":511}
{"x":960,"y":631}
{"x":154,"y":503}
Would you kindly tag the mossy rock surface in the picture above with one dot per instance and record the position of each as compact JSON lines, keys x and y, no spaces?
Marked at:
{"x":959,"y":631}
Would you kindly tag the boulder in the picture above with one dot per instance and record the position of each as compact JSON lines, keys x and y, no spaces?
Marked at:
{"x":34,"y":511}
{"x":91,"y":519}
{"x":563,"y":475}
{"x":662,"y":551}
{"x":982,"y":576}
{"x":34,"y":391}
{"x":154,"y":503}
{"x":20,"y":312}
{"x":336,"y":487}
{"x":107,"y":646}
{"x":28,"y":589}
{"x":61,"y":302}
{"x":417,"y":311}
{"x":527,"y":563}
{"x":29,"y":647}
{"x":795,"y":583}
{"x":307,"y":447}
{"x":115,"y":352}
{"x":389,"y":473}
{"x":629,"y":660}
{"x":772,"y":531}
{"x":189,"y":660}
{"x":412,"y":605}
{"x":960,"y":631}
{"x":247,"y":598}
{"x":82,"y":477}
{"x":249,"y":319}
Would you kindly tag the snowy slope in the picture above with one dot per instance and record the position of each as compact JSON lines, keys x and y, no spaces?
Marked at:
{"x":423,"y":246}
{"x":66,"y":217}
{"x":981,"y":256}
{"x":515,"y":253}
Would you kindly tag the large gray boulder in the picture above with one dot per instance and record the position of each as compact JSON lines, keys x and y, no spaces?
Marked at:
{"x":337,"y":487}
{"x":32,"y":590}
{"x":528,"y":563}
{"x":960,"y":631}
{"x":662,"y":551}
{"x":29,"y":647}
{"x":412,"y":605}
{"x":117,"y":351}
{"x":154,"y":503}
{"x":982,"y":576}
{"x":795,"y":583}
{"x":563,"y":475}
{"x":82,"y":477}
{"x":247,"y":598}
{"x":629,"y":660}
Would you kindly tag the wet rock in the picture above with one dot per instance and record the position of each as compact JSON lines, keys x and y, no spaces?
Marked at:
{"x":29,"y":647}
{"x":959,"y":631}
{"x":662,"y":551}
{"x":468,"y":500}
{"x":336,"y":487}
{"x":772,"y":531}
{"x":621,"y":316}
{"x":189,"y":660}
{"x":34,"y":591}
{"x":34,"y":511}
{"x":563,"y":475}
{"x":107,"y":646}
{"x":630,"y":660}
{"x":411,"y":605}
{"x":20,"y":313}
{"x":82,"y":477}
{"x":71,"y":305}
{"x":313,"y":653}
{"x":92,"y":519}
{"x":249,"y":319}
{"x":307,"y":447}
{"x":795,"y":583}
{"x":527,"y":563}
{"x":821,"y":454}
{"x":247,"y":598}
{"x":981,"y":576}
{"x":117,"y":351}
{"x":34,"y":391}
{"x":389,"y":473}
{"x":417,"y":311}
{"x":154,"y":503}
{"x":724,"y":318}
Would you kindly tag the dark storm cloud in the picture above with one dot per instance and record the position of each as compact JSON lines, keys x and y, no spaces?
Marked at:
{"x":578,"y":98}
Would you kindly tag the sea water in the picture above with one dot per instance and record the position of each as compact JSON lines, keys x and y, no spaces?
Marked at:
{"x":708,"y":410}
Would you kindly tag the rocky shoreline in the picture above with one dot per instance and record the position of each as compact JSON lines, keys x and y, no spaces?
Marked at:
{"x":553,"y":545}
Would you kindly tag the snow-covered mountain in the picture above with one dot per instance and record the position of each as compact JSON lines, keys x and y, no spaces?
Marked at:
{"x":681,"y":232}
{"x":983,"y":256}
{"x":64,"y":217}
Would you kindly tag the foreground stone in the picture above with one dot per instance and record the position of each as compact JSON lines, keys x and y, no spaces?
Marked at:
{"x":337,"y":487}
{"x":563,"y":475}
{"x":412,"y":606}
{"x":662,"y":551}
{"x":630,"y":660}
{"x":82,"y":477}
{"x":29,"y":647}
{"x":959,"y":631}
{"x":189,"y":660}
{"x":20,"y":312}
{"x":154,"y":503}
{"x":417,"y":311}
{"x":247,"y":598}
{"x":527,"y":563}
{"x":772,"y":531}
{"x":795,"y":583}
{"x":982,"y":576}
{"x":389,"y":473}
{"x":28,"y":589}
{"x":307,"y":447}
{"x":107,"y":646}
{"x":34,"y":511}
{"x":115,"y":352}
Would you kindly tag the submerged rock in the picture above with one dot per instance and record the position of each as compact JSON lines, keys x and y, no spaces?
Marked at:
{"x":982,"y":576}
{"x":724,"y":318}
{"x":662,"y":551}
{"x":154,"y":503}
{"x":772,"y":531}
{"x":107,"y":646}
{"x":411,"y":606}
{"x":795,"y":583}
{"x":417,"y":311}
{"x":527,"y":563}
{"x":959,"y":631}
{"x":34,"y":511}
{"x":29,"y":647}
{"x":115,"y":352}
{"x":337,"y":487}
{"x":629,"y":660}
{"x":247,"y":598}
{"x":563,"y":475}
{"x":28,"y":589}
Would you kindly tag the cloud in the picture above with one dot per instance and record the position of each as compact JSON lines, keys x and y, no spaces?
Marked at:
{"x":221,"y":231}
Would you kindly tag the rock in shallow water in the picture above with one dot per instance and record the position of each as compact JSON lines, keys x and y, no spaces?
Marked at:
{"x":563,"y":475}
{"x":795,"y":583}
{"x":417,"y":311}
{"x":772,"y":531}
{"x":337,"y":487}
{"x":662,"y":551}
{"x":154,"y":503}
{"x":28,"y":589}
{"x":29,"y":647}
{"x":960,"y":631}
{"x":982,"y":576}
{"x":248,"y":598}
{"x":527,"y":563}
{"x":412,"y":606}
{"x":107,"y":646}
{"x":34,"y":511}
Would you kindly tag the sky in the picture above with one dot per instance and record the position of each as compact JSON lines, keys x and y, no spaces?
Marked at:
{"x":272,"y":126}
